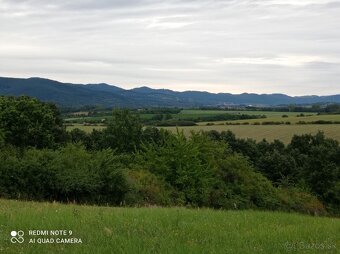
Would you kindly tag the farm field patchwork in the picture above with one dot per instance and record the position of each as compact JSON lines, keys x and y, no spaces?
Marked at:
{"x":257,"y":132}
{"x":192,"y":114}
{"x":268,"y":132}
{"x":247,"y":112}
{"x":183,"y":114}
{"x":86,"y":128}
{"x":165,"y":230}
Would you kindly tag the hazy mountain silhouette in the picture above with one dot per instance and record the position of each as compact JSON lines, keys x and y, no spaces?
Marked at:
{"x":67,"y":94}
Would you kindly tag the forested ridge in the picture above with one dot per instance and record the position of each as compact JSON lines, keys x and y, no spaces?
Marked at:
{"x":81,"y":95}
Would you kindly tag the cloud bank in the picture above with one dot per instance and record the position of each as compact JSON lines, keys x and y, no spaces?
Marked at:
{"x":263,"y":46}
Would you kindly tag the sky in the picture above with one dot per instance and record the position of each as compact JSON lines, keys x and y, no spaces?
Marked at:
{"x":233,"y":46}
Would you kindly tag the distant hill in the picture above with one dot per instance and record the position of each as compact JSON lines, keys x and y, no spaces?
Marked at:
{"x":76,"y":95}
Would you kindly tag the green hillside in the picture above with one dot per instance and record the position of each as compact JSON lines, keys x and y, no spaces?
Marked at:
{"x":164,"y":230}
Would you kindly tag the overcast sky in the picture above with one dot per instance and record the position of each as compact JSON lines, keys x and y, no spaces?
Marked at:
{"x":261,"y":46}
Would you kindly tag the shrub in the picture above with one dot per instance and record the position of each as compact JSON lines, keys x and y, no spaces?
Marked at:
{"x":68,"y":174}
{"x":293,"y":199}
{"x":179,"y":162}
{"x":2,"y":138}
{"x":248,"y":189}
{"x":28,"y":122}
{"x":148,"y":189}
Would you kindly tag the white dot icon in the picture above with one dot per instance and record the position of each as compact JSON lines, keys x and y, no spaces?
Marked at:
{"x":14,"y":233}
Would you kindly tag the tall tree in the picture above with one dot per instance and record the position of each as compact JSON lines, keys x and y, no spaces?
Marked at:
{"x":123,"y":132}
{"x":27,"y":122}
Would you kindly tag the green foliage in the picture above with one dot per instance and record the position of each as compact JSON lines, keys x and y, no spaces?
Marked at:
{"x":208,"y":174}
{"x":318,"y":165}
{"x":248,"y":189}
{"x":28,"y":122}
{"x":275,"y":165}
{"x":78,"y":136}
{"x":293,"y":199}
{"x":311,"y":162}
{"x":180,"y":162}
{"x":128,"y":164}
{"x":2,"y":138}
{"x":155,"y":136}
{"x":148,"y":189}
{"x":67,"y":174}
{"x":123,"y":132}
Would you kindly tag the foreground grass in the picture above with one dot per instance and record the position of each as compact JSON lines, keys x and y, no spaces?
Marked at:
{"x":166,"y":230}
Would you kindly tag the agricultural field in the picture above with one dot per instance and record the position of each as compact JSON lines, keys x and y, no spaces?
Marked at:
{"x":196,"y":112}
{"x":258,"y":132}
{"x":293,"y":119}
{"x":268,"y":132}
{"x":163,"y":230}
{"x":86,"y":128}
{"x":191,"y":114}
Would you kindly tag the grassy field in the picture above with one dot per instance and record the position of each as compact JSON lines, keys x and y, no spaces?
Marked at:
{"x":293,"y":119}
{"x":86,"y":128}
{"x":185,"y":114}
{"x":247,"y":112}
{"x":269,"y":132}
{"x":165,"y":230}
{"x":192,"y":114}
{"x":257,"y":132}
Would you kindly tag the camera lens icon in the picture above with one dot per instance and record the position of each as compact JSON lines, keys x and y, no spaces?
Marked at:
{"x":17,"y":236}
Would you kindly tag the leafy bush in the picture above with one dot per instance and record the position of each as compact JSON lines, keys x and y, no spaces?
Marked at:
{"x":148,"y":189}
{"x":248,"y":189}
{"x":180,"y":163}
{"x":68,"y":174}
{"x":293,"y":199}
{"x":28,"y":122}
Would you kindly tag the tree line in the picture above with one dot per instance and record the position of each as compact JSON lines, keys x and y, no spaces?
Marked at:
{"x":128,"y":164}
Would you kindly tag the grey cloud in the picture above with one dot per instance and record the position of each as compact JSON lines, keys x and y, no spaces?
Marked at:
{"x":267,"y":45}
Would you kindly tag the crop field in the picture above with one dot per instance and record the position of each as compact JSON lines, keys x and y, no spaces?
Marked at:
{"x":86,"y":128}
{"x":185,"y":114}
{"x":257,"y":132}
{"x":268,"y":132}
{"x":248,"y":112}
{"x":161,"y":230}
{"x":293,"y":119}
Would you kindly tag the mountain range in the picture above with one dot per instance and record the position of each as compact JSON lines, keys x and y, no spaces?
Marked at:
{"x":77,"y":95}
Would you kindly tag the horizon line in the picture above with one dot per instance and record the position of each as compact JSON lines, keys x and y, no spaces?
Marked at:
{"x":179,"y":91}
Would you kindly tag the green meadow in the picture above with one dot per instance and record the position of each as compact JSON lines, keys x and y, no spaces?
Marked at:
{"x":257,"y":132}
{"x":246,"y":128}
{"x":164,"y":230}
{"x":268,"y":132}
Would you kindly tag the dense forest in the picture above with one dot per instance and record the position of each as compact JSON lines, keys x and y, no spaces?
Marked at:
{"x":129,"y":164}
